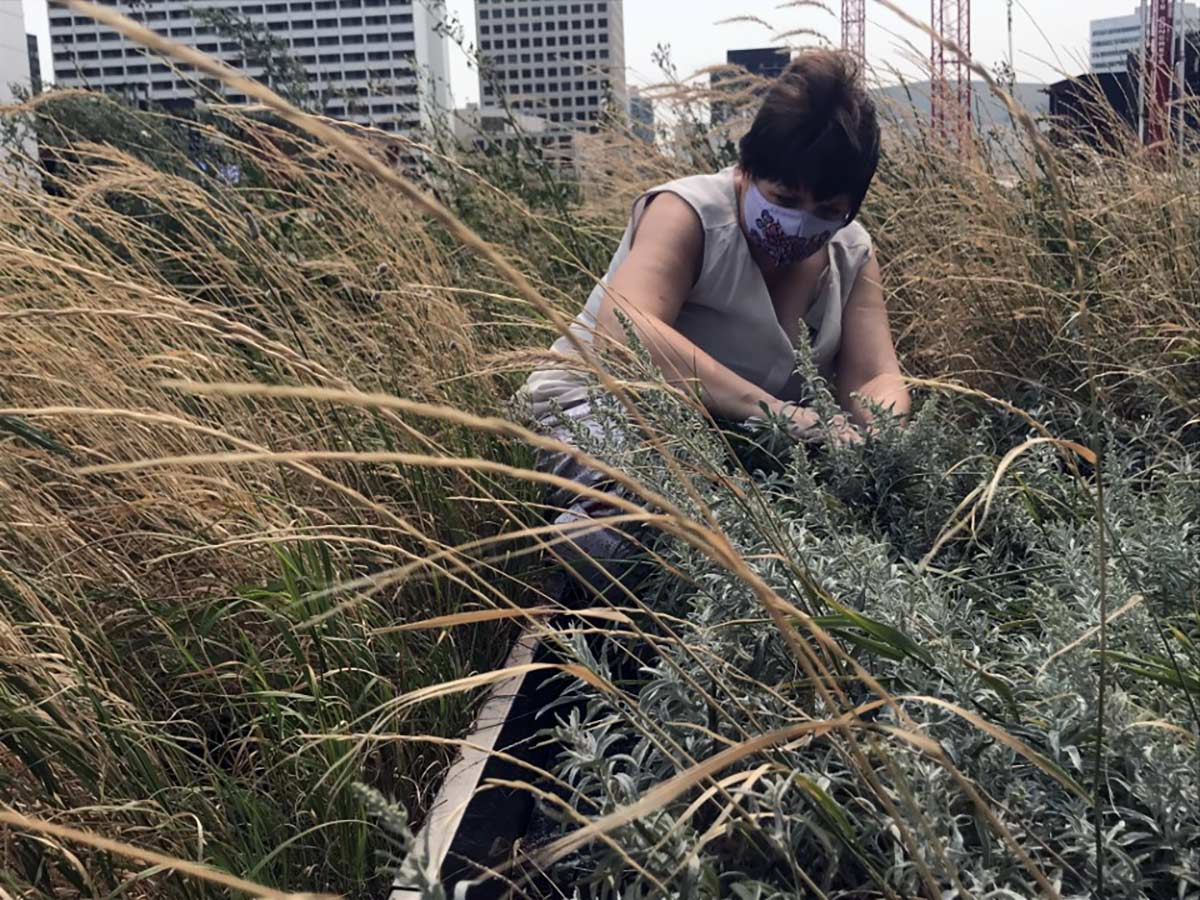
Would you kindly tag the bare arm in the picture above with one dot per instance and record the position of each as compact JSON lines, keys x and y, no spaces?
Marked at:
{"x":650,"y":288}
{"x":867,"y":364}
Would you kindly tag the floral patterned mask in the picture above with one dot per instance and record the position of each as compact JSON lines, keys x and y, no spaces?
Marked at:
{"x":785,"y":235}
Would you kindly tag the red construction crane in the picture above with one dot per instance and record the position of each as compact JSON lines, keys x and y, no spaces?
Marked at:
{"x":854,"y":31}
{"x":949,"y":76}
{"x":1156,"y":75}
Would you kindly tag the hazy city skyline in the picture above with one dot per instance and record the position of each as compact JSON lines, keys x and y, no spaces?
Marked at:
{"x":1051,"y":38}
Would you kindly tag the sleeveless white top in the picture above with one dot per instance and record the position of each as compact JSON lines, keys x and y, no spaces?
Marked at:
{"x":728,"y":313}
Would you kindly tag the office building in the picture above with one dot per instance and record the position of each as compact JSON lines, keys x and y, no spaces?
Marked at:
{"x":14,"y":50}
{"x":562,"y":62}
{"x":35,"y":63}
{"x":641,"y":115}
{"x":763,"y":62}
{"x":491,"y":129}
{"x":1113,"y":40}
{"x":1102,"y":109}
{"x":14,"y":71}
{"x":374,"y":62}
{"x":747,"y":71}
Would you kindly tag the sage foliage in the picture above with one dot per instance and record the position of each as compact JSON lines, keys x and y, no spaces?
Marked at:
{"x":990,"y":649}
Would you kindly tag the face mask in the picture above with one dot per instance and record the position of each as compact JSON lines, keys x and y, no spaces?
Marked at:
{"x":785,"y":235}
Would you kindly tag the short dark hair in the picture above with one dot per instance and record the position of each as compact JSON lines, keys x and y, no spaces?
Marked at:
{"x":816,"y":130}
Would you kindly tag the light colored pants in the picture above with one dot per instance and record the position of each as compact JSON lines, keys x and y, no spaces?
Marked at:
{"x":599,"y":555}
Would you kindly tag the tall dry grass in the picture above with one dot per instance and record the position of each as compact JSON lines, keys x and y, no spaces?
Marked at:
{"x":164,"y":679}
{"x":185,"y":666}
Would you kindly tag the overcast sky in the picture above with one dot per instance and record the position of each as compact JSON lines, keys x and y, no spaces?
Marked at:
{"x":1050,"y":36}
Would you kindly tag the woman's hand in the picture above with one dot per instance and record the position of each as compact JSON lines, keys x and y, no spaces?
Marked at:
{"x":844,"y":432}
{"x":804,"y":426}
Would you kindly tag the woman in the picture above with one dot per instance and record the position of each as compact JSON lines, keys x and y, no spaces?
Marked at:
{"x":720,"y":275}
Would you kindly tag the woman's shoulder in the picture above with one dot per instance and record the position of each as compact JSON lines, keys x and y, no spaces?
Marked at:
{"x":712,"y":196}
{"x":854,"y":238}
{"x":849,"y":251}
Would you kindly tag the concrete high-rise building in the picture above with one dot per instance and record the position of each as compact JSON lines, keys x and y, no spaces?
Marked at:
{"x":1112,"y":40}
{"x":35,"y":63}
{"x":563,"y":62}
{"x":14,"y":50}
{"x":641,"y":115}
{"x":14,"y":71}
{"x":377,"y":62}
